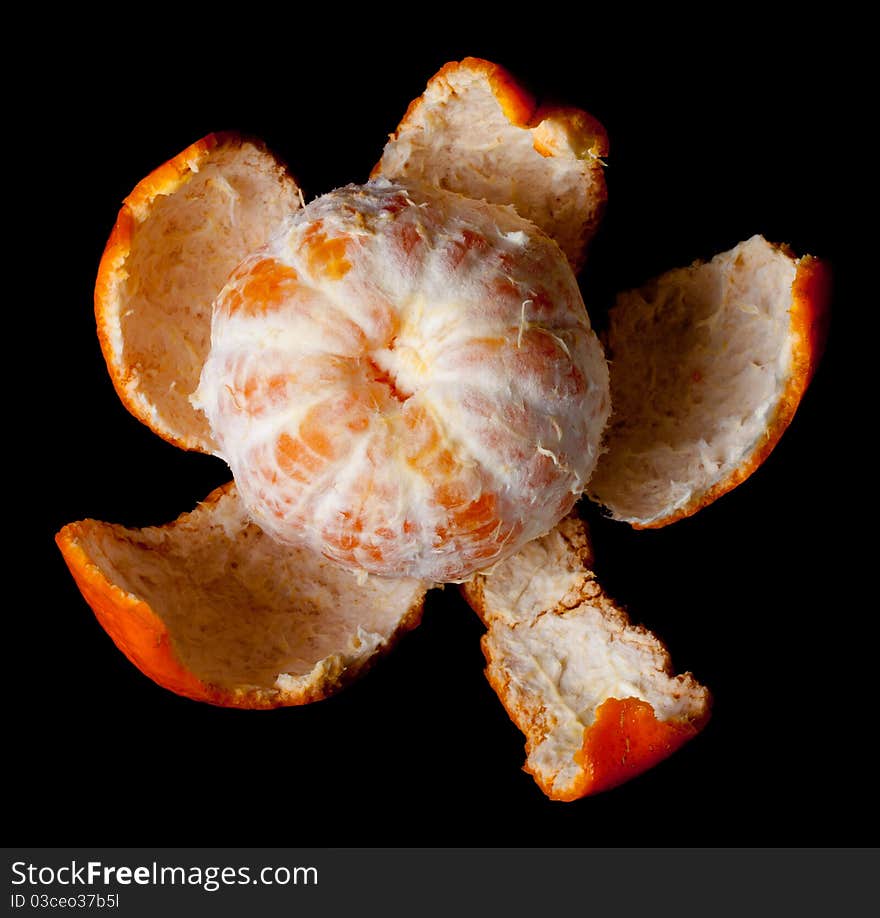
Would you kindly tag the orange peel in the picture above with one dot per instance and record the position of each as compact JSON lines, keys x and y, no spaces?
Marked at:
{"x":595,"y":696}
{"x":708,"y":366}
{"x":476,"y":131}
{"x":211,"y":608}
{"x":177,"y":236}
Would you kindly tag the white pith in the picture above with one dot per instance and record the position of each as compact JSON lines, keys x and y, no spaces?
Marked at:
{"x":183,"y":246}
{"x":558,"y":647}
{"x":245,"y":613}
{"x":459,"y":138}
{"x":700,"y":359}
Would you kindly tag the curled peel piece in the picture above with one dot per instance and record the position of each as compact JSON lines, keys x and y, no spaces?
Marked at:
{"x":594,"y":695}
{"x":708,"y":366}
{"x":178,"y":235}
{"x":477,"y":132}
{"x":211,"y":608}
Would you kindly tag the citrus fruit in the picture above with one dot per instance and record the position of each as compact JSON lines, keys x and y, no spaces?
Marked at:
{"x":405,"y":383}
{"x":405,"y":380}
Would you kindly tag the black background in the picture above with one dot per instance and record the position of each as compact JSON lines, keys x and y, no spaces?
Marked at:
{"x":716,"y":134}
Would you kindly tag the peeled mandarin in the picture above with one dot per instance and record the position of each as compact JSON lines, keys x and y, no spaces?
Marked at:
{"x":406,"y":381}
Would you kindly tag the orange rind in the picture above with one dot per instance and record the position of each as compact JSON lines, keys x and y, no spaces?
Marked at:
{"x":476,"y":131}
{"x":178,"y":235}
{"x":213,"y":609}
{"x":594,"y":695}
{"x":708,"y":366}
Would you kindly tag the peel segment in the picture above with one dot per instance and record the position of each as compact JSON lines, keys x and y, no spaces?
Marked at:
{"x":800,"y":346}
{"x":114,"y":295}
{"x":595,"y":696}
{"x":195,"y":646}
{"x":571,"y":140}
{"x":810,"y":314}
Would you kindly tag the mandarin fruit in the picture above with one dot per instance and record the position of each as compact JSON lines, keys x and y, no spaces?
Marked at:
{"x":406,"y":381}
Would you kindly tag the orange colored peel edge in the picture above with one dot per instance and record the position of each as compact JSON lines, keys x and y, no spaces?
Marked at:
{"x":164,"y":180}
{"x":133,"y":626}
{"x":625,"y":740}
{"x":519,"y":107}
